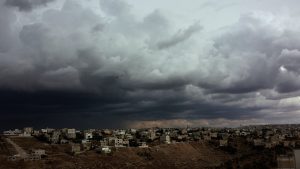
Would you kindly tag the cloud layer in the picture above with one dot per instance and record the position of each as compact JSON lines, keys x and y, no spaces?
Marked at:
{"x":26,"y":5}
{"x":74,"y":66}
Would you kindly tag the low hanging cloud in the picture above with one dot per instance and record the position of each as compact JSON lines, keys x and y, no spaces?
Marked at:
{"x":27,"y":5}
{"x":182,"y":123}
{"x":106,"y":69}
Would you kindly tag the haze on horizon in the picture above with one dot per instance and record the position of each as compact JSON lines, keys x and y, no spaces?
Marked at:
{"x":132,"y":63}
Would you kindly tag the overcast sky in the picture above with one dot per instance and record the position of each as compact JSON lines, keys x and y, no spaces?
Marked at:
{"x":133,"y":63}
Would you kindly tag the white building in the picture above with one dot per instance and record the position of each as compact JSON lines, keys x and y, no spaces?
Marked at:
{"x":119,"y":142}
{"x":28,"y":130}
{"x":119,"y":132}
{"x":88,"y":135}
{"x":152,"y":135}
{"x":12,"y":132}
{"x":126,"y":142}
{"x":133,"y":131}
{"x":105,"y":150}
{"x":71,"y":133}
{"x":55,"y":137}
{"x":143,"y":145}
{"x":39,"y":152}
{"x":165,"y":139}
{"x":214,"y":135}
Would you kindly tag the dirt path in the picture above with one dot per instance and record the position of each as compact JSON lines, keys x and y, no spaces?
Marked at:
{"x":19,"y":149}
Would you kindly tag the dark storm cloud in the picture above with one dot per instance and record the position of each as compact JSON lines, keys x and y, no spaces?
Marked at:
{"x":252,"y":53}
{"x":73,"y":66}
{"x":57,"y":109}
{"x":7,"y":18}
{"x":26,"y":5}
{"x":81,"y":109}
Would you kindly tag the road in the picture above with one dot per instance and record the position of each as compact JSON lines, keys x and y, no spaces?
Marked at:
{"x":19,"y":149}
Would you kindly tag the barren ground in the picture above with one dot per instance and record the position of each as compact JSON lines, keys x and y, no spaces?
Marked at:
{"x":179,"y":155}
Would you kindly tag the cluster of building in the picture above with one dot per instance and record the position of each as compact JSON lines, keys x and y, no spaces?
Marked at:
{"x":35,"y":154}
{"x":106,"y":140}
{"x":271,"y":136}
{"x":261,"y":136}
